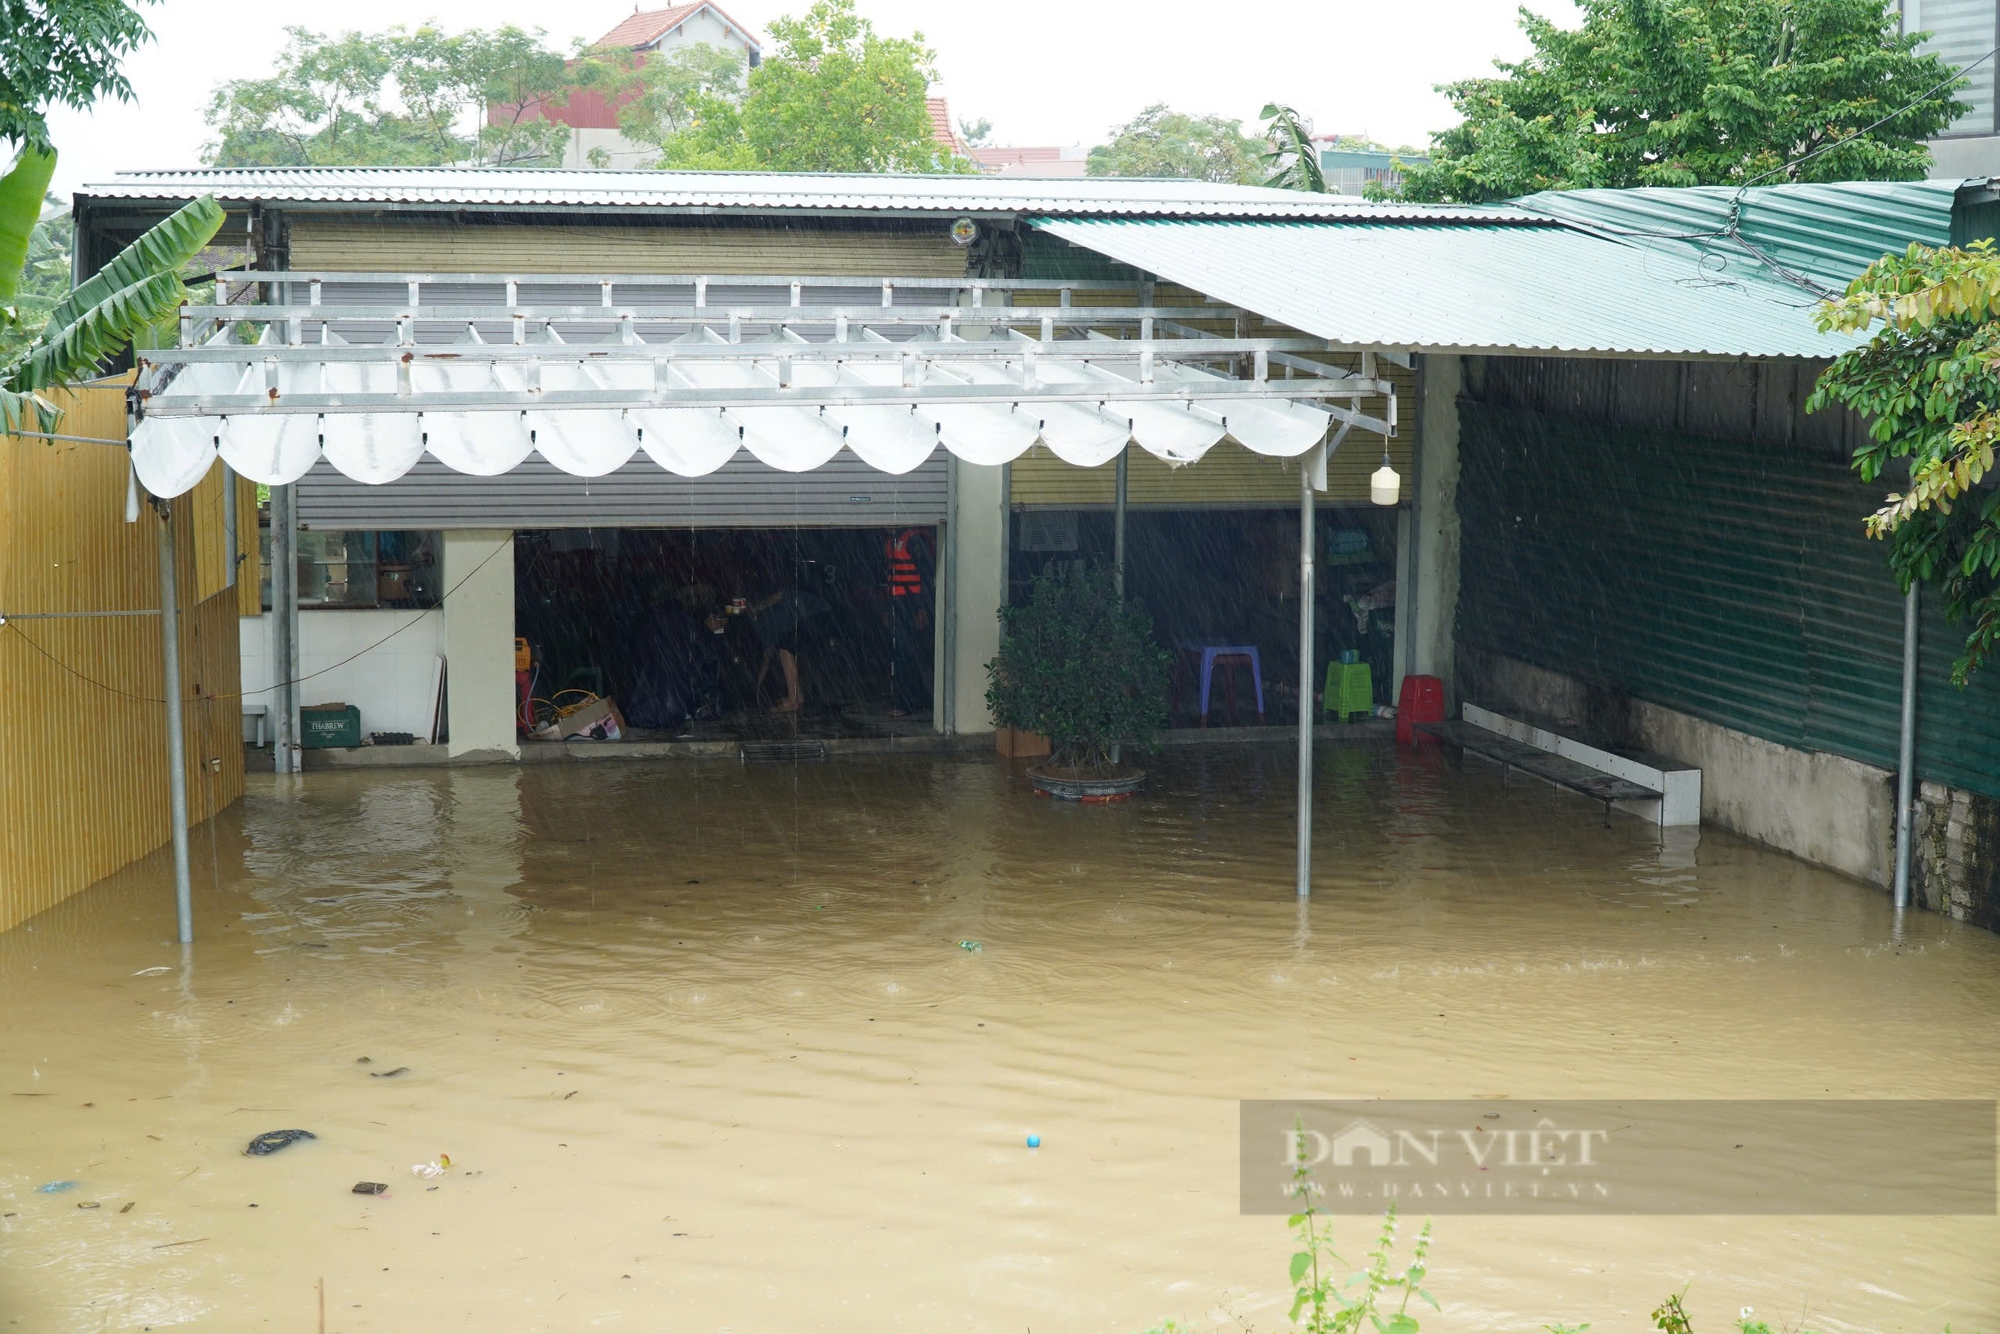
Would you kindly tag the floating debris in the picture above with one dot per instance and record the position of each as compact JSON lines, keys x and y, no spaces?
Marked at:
{"x":128,"y":1206}
{"x":971,"y":946}
{"x":273,"y":1140}
{"x":87,"y":1204}
{"x":432,"y":1170}
{"x":371,"y":1188}
{"x":389,"y":1074}
{"x":56,"y":1187}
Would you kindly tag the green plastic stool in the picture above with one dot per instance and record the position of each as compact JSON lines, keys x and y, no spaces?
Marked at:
{"x":1350,"y":689}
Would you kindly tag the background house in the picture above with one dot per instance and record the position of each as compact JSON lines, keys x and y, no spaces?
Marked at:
{"x":593,"y":117}
{"x":1963,"y":31}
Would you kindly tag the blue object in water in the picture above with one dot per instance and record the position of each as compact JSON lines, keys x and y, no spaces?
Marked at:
{"x":1034,"y":1141}
{"x":57,"y":1187}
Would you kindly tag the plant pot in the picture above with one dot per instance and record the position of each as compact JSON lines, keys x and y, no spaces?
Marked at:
{"x":1015,"y":744}
{"x":1065,"y":786}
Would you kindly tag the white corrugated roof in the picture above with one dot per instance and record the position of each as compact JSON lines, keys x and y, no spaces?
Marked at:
{"x":536,"y":188}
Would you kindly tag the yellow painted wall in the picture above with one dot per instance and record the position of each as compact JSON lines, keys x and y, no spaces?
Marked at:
{"x":1228,"y":476}
{"x":397,"y":245}
{"x":83,"y":745}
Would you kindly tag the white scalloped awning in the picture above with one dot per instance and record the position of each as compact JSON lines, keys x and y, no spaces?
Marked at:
{"x":1098,"y":412}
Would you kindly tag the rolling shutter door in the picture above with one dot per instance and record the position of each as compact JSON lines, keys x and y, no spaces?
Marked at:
{"x":743,"y":493}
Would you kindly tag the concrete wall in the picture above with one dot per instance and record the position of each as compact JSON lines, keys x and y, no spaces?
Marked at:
{"x":978,"y":534}
{"x":1972,"y":155}
{"x":479,"y":642}
{"x":390,"y":682}
{"x":1433,"y":618}
{"x":1825,"y":809}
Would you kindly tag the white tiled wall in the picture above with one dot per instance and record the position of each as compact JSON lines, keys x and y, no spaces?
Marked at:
{"x":390,"y":683}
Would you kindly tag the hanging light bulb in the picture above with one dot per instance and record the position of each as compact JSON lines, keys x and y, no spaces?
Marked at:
{"x":1384,"y":486}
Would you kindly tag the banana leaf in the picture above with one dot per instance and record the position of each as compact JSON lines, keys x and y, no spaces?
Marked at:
{"x":139,"y":289}
{"x":21,"y":193}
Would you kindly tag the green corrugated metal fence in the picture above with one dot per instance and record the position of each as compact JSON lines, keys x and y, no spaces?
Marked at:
{"x":1724,"y":578}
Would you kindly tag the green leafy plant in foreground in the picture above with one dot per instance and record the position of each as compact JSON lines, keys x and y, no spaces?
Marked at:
{"x":1339,"y":1306}
{"x":138,"y":290}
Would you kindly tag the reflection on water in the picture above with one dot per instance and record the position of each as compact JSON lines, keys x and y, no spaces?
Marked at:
{"x":705,"y":1053}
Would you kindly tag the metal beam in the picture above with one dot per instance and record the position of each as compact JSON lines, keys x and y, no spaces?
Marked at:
{"x":678,"y":313}
{"x":898,"y":281}
{"x":798,"y":396}
{"x":447,"y":351}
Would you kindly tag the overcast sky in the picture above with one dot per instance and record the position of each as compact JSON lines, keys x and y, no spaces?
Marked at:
{"x":1043,"y":71}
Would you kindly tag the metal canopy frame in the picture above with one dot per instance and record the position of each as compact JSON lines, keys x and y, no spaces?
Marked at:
{"x":788,"y":325}
{"x":1132,"y":350}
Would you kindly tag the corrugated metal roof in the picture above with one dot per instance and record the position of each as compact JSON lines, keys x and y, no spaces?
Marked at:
{"x":530,"y":188}
{"x":1829,"y":233}
{"x":1499,"y":289}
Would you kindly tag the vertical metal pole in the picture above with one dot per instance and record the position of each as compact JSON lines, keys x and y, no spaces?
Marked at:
{"x":170,"y":648}
{"x":1305,"y":673}
{"x":284,"y":612}
{"x":947,"y":600}
{"x":1119,"y":488}
{"x":229,"y":543}
{"x":1906,"y":778}
{"x":1118,"y":519}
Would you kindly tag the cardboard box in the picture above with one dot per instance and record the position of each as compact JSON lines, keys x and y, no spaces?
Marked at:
{"x":598,"y":720}
{"x":1019,"y":745}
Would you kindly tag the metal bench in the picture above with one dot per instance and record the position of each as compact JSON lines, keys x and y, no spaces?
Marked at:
{"x":1513,"y":755}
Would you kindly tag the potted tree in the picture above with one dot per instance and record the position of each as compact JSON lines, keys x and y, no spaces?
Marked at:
{"x":1079,"y":665}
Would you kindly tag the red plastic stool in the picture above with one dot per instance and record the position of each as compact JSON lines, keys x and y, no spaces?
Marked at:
{"x":1420,"y":701}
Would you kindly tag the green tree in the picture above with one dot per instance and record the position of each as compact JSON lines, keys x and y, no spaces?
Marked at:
{"x":61,"y":53}
{"x":1694,"y":92}
{"x":835,"y":95}
{"x":685,"y":104}
{"x":832,"y":94}
{"x":396,"y":98}
{"x":1929,"y":383}
{"x":1162,"y":142}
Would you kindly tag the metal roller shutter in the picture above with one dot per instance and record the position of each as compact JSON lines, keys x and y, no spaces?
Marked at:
{"x":743,"y":493}
{"x":1724,"y":576}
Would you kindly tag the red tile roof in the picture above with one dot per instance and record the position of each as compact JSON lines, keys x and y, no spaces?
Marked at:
{"x":941,"y":126}
{"x":643,"y":29}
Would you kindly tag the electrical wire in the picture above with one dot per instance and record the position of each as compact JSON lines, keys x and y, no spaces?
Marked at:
{"x":240,"y":694}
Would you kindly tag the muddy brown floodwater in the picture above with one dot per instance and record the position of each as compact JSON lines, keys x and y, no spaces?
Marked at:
{"x":705,"y":1052}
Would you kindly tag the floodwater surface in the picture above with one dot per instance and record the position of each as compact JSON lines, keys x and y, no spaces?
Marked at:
{"x":706,"y":1052}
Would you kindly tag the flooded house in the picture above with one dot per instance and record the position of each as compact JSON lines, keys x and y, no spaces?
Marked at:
{"x":486,"y":1030}
{"x":1606,"y":509}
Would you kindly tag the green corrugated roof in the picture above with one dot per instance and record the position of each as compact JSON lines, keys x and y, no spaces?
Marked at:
{"x":1829,"y":233}
{"x":1701,"y":271}
{"x":1472,"y":287}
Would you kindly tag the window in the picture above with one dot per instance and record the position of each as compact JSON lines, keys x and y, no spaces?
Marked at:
{"x":1961,"y":31}
{"x":360,"y":568}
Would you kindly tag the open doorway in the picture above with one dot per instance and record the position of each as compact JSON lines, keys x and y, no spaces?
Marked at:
{"x":732,"y":633}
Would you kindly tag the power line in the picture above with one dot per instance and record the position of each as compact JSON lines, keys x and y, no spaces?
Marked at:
{"x":10,"y":623}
